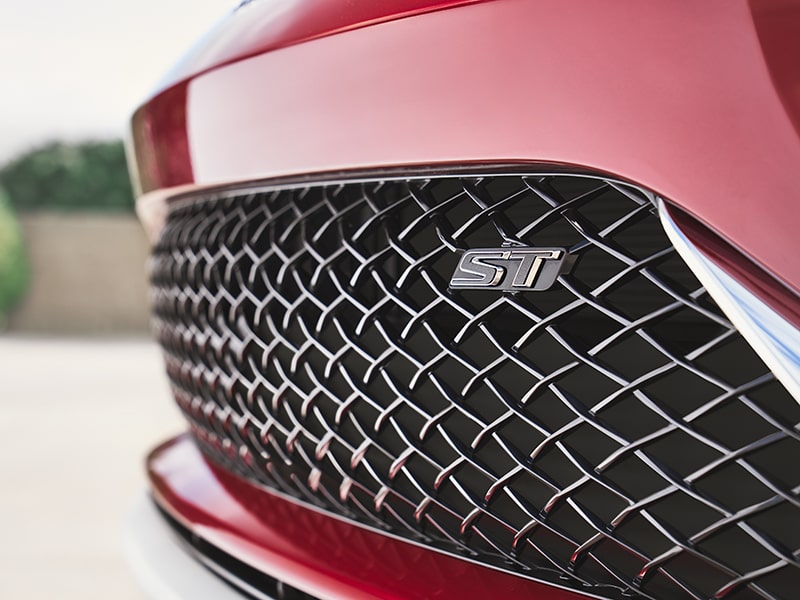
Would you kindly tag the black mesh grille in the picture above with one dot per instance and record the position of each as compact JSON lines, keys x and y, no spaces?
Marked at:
{"x":614,"y":433}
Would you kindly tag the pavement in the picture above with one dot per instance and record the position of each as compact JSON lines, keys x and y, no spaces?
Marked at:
{"x":77,"y":417}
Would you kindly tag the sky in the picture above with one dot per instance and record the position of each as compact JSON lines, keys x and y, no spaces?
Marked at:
{"x":77,"y":69}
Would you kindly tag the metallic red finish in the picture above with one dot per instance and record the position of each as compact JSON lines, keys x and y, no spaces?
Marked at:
{"x":263,"y":25}
{"x":778,"y":27}
{"x":689,"y":102}
{"x":309,"y":550}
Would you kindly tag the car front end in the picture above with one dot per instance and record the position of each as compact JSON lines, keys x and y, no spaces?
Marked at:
{"x":462,"y":299}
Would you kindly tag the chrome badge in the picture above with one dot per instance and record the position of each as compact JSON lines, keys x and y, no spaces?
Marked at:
{"x":510,"y":269}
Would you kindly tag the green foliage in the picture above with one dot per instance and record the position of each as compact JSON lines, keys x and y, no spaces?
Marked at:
{"x":13,"y":265}
{"x":65,"y":177}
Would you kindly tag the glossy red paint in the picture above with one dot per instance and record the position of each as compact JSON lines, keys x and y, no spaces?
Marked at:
{"x":777,"y":24}
{"x":688,"y":102}
{"x":312,"y":551}
{"x":260,"y":26}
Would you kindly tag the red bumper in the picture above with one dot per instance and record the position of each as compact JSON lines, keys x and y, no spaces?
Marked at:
{"x":311,"y":550}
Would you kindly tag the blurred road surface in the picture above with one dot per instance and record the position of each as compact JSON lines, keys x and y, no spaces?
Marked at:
{"x":76,"y":419}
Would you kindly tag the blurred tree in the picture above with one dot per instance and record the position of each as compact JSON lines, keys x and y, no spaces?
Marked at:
{"x":59,"y":176}
{"x":13,"y":264}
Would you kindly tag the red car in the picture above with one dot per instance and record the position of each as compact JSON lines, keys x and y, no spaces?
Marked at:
{"x":471,"y":299}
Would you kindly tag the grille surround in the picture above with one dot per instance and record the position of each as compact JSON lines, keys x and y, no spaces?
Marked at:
{"x":270,"y":396}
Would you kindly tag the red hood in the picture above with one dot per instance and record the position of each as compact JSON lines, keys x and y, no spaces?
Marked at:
{"x":262,"y":25}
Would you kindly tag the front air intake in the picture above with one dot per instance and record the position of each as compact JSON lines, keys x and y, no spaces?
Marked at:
{"x":613,"y":433}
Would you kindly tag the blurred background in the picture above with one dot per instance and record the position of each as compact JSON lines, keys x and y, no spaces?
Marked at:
{"x":82,"y":394}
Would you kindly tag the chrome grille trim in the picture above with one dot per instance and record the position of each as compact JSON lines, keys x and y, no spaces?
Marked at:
{"x":314,"y":346}
{"x":774,"y":338}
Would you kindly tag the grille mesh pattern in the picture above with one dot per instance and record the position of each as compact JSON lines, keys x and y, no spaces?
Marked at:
{"x":614,"y":433}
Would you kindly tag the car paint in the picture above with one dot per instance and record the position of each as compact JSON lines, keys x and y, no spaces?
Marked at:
{"x":258,"y":26}
{"x":311,"y":550}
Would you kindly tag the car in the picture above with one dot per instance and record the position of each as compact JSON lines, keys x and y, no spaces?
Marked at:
{"x":472,"y":299}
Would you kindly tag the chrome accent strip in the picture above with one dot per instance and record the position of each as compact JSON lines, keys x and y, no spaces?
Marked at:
{"x":775,"y":340}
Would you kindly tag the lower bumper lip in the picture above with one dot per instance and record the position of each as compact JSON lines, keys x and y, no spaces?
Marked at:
{"x":162,"y":566}
{"x":319,"y":553}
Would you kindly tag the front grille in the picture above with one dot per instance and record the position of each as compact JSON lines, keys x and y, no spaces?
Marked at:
{"x":614,"y":433}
